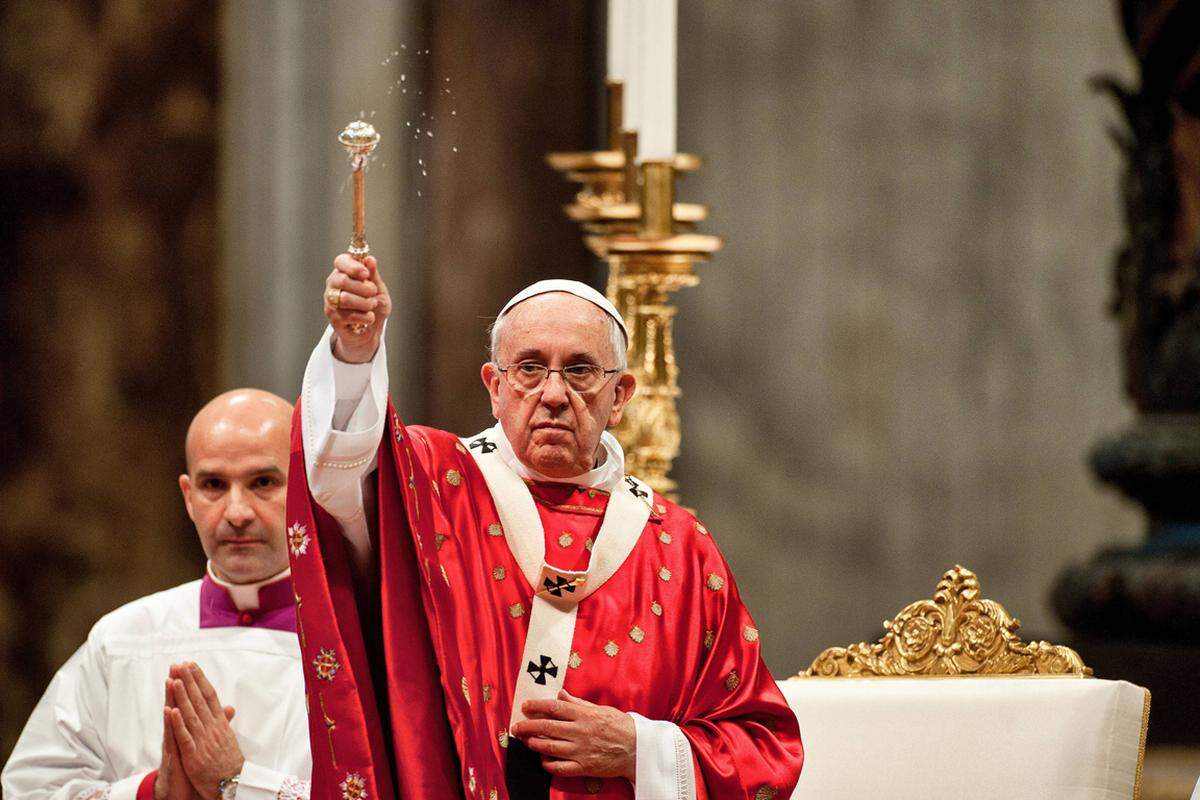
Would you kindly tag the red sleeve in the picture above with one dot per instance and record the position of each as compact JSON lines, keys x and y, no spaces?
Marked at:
{"x":745,"y":739}
{"x":145,"y":790}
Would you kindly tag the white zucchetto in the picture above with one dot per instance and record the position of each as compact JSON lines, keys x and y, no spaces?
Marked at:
{"x":581,"y":290}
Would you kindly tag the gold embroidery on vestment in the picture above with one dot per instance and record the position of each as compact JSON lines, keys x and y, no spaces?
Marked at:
{"x":326,"y":664}
{"x":516,"y":610}
{"x":574,"y":662}
{"x":710,"y":638}
{"x":732,"y":681}
{"x":703,"y":531}
{"x":766,"y":793}
{"x":498,"y":573}
{"x":664,"y":537}
{"x":593,"y":785}
{"x":466,"y":691}
{"x":750,"y":633}
{"x":656,"y":609}
{"x":637,"y":634}
{"x":502,"y":737}
{"x":664,"y":573}
{"x":495,"y":530}
{"x":487,"y":693}
{"x":439,"y":539}
{"x":354,"y":787}
{"x":714,"y":581}
{"x":611,"y":649}
{"x":453,"y":478}
{"x":566,"y":540}
{"x":587,"y":544}
{"x":298,"y":539}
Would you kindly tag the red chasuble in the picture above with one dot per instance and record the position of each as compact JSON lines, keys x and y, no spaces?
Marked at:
{"x":644,"y":618}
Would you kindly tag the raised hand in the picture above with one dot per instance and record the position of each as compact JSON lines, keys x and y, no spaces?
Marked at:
{"x":207,"y":744}
{"x":579,"y":739}
{"x":355,"y":295}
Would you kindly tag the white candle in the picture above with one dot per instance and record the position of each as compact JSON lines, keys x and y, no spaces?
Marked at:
{"x":624,"y":22}
{"x":655,"y":80}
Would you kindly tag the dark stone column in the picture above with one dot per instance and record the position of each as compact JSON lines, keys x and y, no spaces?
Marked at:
{"x":107,"y":167}
{"x":1130,"y":604}
{"x":524,"y":82}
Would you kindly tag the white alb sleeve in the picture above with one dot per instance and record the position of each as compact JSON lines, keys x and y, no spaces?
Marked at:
{"x":257,"y":782}
{"x":60,"y":754}
{"x":663,"y":761}
{"x":343,"y":414}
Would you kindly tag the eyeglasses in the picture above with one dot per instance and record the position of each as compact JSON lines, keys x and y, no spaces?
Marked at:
{"x":530,"y":376}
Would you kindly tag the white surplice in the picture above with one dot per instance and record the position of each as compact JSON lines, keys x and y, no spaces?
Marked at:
{"x":97,"y":731}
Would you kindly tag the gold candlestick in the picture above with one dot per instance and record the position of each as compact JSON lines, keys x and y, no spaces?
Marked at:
{"x":359,"y":138}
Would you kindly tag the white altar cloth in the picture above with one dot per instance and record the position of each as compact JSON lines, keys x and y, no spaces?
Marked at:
{"x":977,"y":737}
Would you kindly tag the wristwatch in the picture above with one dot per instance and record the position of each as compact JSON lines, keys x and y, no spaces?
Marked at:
{"x":227,"y":788}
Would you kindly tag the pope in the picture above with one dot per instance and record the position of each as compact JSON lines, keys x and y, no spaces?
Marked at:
{"x":509,"y":614}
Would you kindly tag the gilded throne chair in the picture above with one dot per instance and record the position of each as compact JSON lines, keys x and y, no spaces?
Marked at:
{"x":951,"y":703}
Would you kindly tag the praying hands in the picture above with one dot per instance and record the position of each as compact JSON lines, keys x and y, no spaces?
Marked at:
{"x":200,"y":748}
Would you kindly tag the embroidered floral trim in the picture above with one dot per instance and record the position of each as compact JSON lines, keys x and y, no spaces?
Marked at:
{"x":664,"y":537}
{"x":495,"y":530}
{"x":294,"y":789}
{"x":683,"y":766}
{"x":714,"y":582}
{"x":298,"y":539}
{"x":710,"y":638}
{"x":637,"y":634}
{"x":95,"y":794}
{"x":656,"y":608}
{"x":354,"y":787}
{"x":326,"y":664}
{"x":453,"y":477}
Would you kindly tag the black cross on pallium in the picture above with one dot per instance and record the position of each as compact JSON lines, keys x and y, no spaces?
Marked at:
{"x":484,"y":445}
{"x":556,"y":585}
{"x":634,"y":489}
{"x":539,"y":672}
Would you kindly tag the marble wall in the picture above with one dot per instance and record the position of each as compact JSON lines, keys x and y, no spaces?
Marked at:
{"x":903,"y":354}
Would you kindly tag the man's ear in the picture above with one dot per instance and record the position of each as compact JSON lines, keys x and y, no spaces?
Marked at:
{"x":185,"y":486}
{"x":491,"y":381}
{"x":626,"y":388}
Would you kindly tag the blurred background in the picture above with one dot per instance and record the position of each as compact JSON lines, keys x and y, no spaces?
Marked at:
{"x":899,"y":362}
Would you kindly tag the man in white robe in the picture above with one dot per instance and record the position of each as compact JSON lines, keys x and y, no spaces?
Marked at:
{"x":196,"y":691}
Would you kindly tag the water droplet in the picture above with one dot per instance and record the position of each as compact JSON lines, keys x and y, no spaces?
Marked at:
{"x":407,"y":124}
{"x":403,"y":47}
{"x":423,"y":173}
{"x":429,"y":134}
{"x":447,"y":80}
{"x":455,"y":149}
{"x":403,"y":76}
{"x":453,"y":113}
{"x":418,"y":192}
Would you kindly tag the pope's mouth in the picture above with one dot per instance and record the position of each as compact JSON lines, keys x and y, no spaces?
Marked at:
{"x":550,"y":426}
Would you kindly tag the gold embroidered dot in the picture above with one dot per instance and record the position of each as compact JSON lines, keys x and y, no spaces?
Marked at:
{"x":766,"y":793}
{"x":611,"y":649}
{"x":498,"y":573}
{"x":495,"y":530}
{"x":445,"y":577}
{"x":466,"y":691}
{"x":710,"y":637}
{"x":593,"y":785}
{"x":703,"y":531}
{"x":750,"y":633}
{"x":494,"y":794}
{"x":453,"y":478}
{"x":714,"y":582}
{"x":732,"y":681}
{"x":566,"y":540}
{"x":664,"y":537}
{"x":459,"y":447}
{"x":574,"y":662}
{"x":439,"y":539}
{"x":502,"y":737}
{"x":637,"y":634}
{"x":660,"y":509}
{"x":516,"y":611}
{"x":487,"y":693}
{"x":664,"y":573}
{"x":587,"y":543}
{"x":656,"y":609}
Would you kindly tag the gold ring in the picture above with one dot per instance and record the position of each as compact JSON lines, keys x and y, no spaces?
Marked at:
{"x":358,"y":327}
{"x":333,"y":297}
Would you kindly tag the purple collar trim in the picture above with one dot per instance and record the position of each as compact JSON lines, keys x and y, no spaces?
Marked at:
{"x":276,"y":609}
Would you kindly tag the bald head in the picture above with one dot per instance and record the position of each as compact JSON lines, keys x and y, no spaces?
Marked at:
{"x":242,"y":414}
{"x":235,"y":488}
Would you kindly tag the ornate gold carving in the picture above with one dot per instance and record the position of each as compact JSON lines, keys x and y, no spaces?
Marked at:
{"x":958,"y":632}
